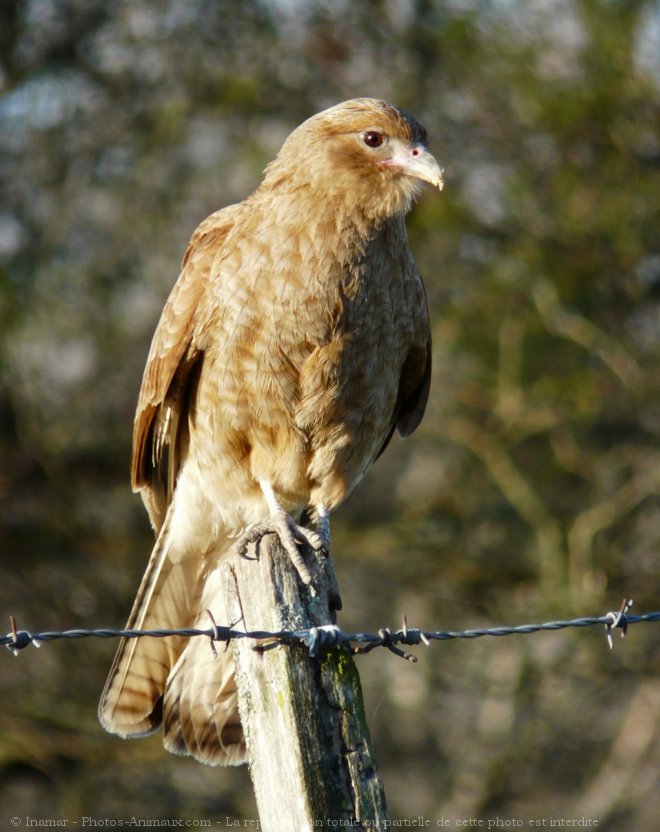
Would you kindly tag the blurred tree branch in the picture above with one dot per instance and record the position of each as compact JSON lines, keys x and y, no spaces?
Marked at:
{"x":566,"y":324}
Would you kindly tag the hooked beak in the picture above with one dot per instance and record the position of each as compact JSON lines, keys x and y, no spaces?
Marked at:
{"x":418,"y":162}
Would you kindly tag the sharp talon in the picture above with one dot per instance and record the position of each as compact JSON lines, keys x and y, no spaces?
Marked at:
{"x":252,"y":535}
{"x":335,"y":602}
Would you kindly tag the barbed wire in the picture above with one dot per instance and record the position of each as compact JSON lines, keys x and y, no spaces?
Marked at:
{"x":329,"y":635}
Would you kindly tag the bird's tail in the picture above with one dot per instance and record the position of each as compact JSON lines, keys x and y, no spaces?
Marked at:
{"x":176,"y":681}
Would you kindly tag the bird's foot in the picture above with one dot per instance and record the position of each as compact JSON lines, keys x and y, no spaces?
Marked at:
{"x":290,"y":534}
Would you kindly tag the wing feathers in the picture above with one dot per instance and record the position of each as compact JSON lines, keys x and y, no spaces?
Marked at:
{"x":165,"y":396}
{"x":414,"y":387}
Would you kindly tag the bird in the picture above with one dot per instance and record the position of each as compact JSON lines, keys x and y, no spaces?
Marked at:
{"x":293,"y":345}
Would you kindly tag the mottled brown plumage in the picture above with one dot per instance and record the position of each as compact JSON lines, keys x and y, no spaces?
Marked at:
{"x":295,"y":341}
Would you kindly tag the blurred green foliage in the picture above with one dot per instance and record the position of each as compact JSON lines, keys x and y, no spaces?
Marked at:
{"x":531,"y":488}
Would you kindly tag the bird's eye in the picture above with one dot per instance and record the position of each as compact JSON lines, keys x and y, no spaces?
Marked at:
{"x":373,"y":139}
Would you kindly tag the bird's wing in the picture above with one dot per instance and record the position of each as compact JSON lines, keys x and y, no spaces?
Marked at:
{"x":415,"y":380}
{"x":415,"y":376}
{"x":172,"y":369}
{"x":414,"y":386}
{"x":169,"y":595}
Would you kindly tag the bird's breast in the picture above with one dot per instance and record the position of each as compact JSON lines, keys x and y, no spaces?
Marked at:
{"x":302,"y":368}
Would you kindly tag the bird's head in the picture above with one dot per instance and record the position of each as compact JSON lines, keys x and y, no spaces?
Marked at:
{"x":366,"y":153}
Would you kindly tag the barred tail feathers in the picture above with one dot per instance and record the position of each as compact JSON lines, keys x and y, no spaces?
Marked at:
{"x":174,"y":681}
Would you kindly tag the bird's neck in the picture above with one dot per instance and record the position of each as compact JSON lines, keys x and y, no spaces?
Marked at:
{"x":335,"y":223}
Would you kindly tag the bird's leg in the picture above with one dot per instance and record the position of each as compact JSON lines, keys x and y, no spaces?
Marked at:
{"x":323,"y":526}
{"x":287,"y":531}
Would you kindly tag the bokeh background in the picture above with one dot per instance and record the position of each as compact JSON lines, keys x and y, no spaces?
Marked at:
{"x":531,"y":489}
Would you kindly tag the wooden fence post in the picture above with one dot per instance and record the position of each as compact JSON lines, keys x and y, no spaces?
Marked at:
{"x":308,"y":742}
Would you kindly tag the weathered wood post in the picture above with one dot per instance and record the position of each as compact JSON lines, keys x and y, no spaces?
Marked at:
{"x":308,"y":742}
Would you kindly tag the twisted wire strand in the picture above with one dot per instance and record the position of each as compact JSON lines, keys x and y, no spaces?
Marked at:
{"x":318,"y":638}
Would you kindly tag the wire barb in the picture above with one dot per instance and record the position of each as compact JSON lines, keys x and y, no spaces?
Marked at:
{"x":388,"y":639}
{"x":215,"y":634}
{"x":618,"y":619}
